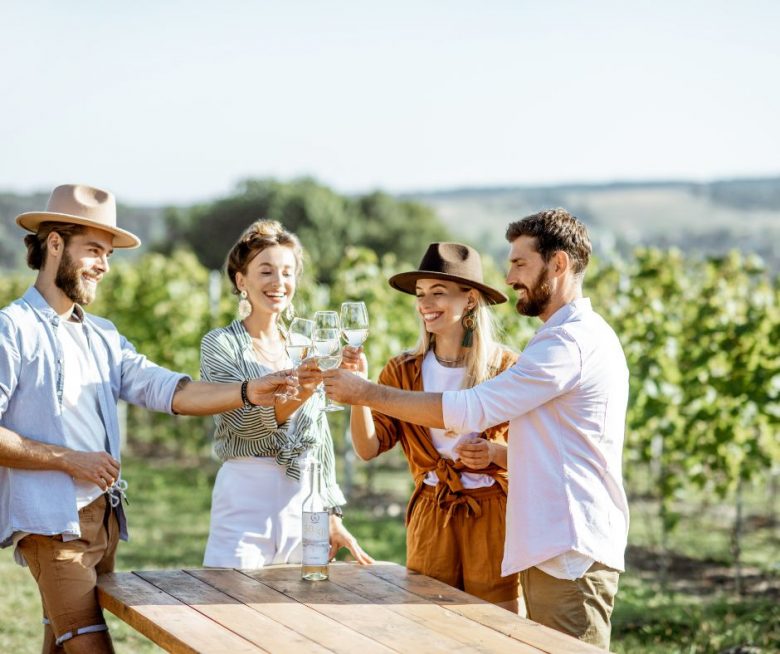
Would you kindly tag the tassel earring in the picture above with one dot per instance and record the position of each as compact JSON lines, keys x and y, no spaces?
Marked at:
{"x":469,"y":323}
{"x":244,"y":306}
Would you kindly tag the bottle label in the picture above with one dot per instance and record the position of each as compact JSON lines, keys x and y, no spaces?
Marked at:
{"x":316,"y":541}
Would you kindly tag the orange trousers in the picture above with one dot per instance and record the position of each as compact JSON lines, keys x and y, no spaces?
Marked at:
{"x":66,"y":572}
{"x":461,"y":542}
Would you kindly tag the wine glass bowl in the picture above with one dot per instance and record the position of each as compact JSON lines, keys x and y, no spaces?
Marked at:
{"x":326,"y":343}
{"x":328,"y":347}
{"x":354,"y":323}
{"x":299,"y":340}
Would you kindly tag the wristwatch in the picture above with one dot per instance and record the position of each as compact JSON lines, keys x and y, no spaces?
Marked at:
{"x":336,"y":510}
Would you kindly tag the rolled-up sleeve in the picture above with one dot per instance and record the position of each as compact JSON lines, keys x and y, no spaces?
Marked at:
{"x":550,"y":366}
{"x":145,"y":383}
{"x":10,"y":363}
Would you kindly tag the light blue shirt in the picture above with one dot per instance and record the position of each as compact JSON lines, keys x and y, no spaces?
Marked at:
{"x":31,"y":384}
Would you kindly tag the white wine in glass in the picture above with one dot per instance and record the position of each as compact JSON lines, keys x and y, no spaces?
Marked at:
{"x":327,"y":345}
{"x":299,"y":340}
{"x":354,"y":323}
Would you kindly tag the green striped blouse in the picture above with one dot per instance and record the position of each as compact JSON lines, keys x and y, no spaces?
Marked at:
{"x":226,"y":355}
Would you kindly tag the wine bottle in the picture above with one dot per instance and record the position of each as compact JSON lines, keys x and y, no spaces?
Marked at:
{"x":316,"y":536}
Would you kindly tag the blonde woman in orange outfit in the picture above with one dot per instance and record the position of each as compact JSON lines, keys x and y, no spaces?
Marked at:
{"x":456,"y":516}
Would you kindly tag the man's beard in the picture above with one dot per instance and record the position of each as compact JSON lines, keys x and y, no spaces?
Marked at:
{"x":535,"y":300}
{"x":69,"y":281}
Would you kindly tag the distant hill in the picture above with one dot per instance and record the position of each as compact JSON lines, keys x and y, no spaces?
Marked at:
{"x":706,"y":218}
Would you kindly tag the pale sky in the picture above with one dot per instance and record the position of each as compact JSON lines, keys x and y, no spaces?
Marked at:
{"x":177,"y":100}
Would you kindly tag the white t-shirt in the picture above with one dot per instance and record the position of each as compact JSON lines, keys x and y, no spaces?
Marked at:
{"x":436,"y":379}
{"x":81,"y":419}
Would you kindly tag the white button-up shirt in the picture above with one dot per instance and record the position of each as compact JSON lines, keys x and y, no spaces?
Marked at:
{"x":565,"y":400}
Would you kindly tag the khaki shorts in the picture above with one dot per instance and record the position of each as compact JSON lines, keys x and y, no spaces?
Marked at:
{"x":579,"y":607}
{"x":66,"y":572}
{"x":465,"y":551}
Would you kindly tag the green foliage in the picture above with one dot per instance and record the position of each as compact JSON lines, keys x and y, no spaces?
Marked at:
{"x":321,"y":219}
{"x":703,"y":349}
{"x":401,"y":227}
{"x":732,"y":374}
{"x":324,"y":221}
{"x":13,"y":285}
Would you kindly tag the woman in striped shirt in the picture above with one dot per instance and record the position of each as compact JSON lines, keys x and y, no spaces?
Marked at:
{"x":259,"y":490}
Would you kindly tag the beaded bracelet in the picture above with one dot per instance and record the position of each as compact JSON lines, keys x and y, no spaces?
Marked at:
{"x":244,"y":396}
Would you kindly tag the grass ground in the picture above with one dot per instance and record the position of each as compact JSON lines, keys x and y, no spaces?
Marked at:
{"x":696,"y":613}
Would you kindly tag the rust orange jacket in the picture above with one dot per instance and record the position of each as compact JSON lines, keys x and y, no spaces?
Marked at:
{"x":405,"y":372}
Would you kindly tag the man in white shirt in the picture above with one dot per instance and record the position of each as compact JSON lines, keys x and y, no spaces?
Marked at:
{"x":565,"y":400}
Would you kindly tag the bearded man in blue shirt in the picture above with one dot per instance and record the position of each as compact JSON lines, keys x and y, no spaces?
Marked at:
{"x":62,"y":373}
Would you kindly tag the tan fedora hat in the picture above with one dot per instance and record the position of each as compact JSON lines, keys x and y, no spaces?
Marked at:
{"x":452,"y":262}
{"x":80,"y":205}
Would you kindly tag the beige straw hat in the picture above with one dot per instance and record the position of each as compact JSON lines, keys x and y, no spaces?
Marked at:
{"x":80,"y":205}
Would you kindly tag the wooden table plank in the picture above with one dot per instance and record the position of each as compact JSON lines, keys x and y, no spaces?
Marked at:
{"x":474,"y":634}
{"x":378,"y":622}
{"x":329,"y":633}
{"x":231,"y":613}
{"x":527,"y":631}
{"x":362,"y":610}
{"x":174,"y":626}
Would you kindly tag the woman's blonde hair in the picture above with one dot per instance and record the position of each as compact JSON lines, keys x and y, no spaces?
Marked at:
{"x":260,"y":235}
{"x":483,"y":358}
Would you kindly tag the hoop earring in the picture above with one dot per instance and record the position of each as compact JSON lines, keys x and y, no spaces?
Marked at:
{"x":469,"y":323}
{"x":244,"y":306}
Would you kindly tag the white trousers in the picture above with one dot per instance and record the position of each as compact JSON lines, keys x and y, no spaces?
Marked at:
{"x":255,"y":515}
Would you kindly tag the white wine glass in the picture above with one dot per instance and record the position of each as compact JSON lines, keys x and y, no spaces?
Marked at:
{"x":299,"y":340}
{"x":298,"y":344}
{"x":326,"y":340}
{"x":354,"y":323}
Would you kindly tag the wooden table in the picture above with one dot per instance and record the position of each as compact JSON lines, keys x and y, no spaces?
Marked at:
{"x":381,"y":608}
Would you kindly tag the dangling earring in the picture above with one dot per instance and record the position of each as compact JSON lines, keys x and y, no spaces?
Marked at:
{"x":244,"y":306}
{"x":469,"y":323}
{"x":289,"y":312}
